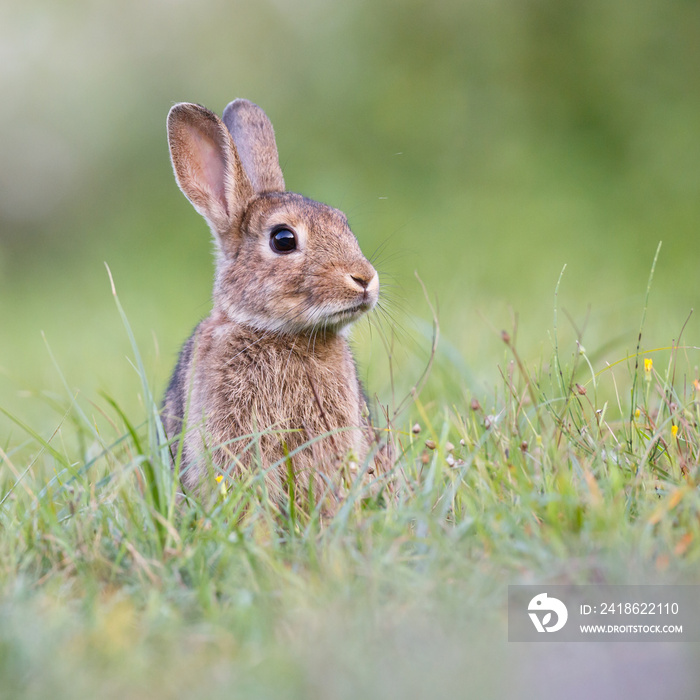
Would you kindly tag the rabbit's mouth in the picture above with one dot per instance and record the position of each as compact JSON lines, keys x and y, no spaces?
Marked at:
{"x":349,"y":314}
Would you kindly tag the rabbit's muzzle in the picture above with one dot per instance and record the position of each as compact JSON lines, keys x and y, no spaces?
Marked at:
{"x":360,"y":296}
{"x":367,"y":285}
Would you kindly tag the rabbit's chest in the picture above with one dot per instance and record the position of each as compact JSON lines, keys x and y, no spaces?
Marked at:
{"x":312,"y":392}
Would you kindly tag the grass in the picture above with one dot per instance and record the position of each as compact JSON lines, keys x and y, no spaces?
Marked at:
{"x":112,"y":587}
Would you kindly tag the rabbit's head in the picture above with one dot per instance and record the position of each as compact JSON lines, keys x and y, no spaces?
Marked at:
{"x":285,"y":263}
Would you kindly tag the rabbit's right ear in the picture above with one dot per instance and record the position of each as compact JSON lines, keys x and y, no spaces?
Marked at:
{"x":206,"y":165}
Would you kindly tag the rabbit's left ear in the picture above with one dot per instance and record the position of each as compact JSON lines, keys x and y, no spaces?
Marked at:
{"x":254,"y":138}
{"x":207,"y":167}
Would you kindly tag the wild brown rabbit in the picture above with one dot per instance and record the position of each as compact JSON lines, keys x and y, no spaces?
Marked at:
{"x":272,"y":359}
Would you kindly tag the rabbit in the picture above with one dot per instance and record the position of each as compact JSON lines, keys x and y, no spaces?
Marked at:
{"x":272,"y":359}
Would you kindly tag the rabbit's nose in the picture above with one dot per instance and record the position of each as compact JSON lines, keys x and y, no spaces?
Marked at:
{"x":364,"y":279}
{"x":361,"y":281}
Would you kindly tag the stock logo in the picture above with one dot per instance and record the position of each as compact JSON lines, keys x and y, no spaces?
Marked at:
{"x":543,"y":604}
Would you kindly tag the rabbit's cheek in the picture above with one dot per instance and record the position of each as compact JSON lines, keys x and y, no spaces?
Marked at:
{"x":290,"y":306}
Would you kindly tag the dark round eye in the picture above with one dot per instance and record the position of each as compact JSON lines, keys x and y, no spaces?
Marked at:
{"x":283,"y":241}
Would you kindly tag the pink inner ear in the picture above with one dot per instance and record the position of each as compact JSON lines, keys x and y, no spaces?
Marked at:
{"x":210,"y":164}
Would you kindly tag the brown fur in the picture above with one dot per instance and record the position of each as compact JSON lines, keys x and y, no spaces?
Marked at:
{"x":272,"y":360}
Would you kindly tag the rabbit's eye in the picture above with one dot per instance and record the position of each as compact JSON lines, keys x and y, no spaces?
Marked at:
{"x":283,"y":241}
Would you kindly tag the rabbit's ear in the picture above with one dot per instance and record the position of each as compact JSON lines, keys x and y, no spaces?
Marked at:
{"x":206,"y":165}
{"x":255,"y":143}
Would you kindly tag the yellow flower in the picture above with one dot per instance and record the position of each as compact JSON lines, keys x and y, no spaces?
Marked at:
{"x":637,"y":413}
{"x":648,"y":364}
{"x":219,"y":480}
{"x":674,"y":430}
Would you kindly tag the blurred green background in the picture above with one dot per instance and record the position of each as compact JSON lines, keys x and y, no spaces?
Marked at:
{"x":482,"y":143}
